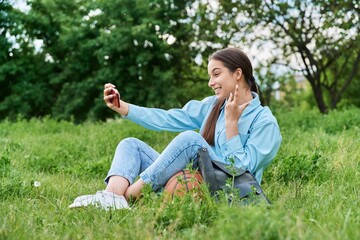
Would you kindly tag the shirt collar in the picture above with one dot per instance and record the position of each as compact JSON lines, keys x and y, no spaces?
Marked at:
{"x":253,"y":104}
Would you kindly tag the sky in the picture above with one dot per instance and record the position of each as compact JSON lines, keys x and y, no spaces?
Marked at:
{"x":20,"y":4}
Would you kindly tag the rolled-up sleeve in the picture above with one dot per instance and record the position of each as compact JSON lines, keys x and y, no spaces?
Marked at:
{"x":230,"y":146}
{"x":259,"y":149}
{"x":190,"y":117}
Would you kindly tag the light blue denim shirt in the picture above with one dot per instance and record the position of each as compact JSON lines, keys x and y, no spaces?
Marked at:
{"x":253,"y":148}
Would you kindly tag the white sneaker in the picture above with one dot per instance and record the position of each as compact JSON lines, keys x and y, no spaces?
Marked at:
{"x":102,"y":199}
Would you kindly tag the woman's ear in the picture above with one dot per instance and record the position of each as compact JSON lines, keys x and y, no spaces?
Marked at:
{"x":238,"y":73}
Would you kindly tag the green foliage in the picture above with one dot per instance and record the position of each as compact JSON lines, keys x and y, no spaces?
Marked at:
{"x":332,"y":123}
{"x":181,"y":214}
{"x":147,"y":49}
{"x":351,"y":96}
{"x":87,"y":44}
{"x":316,"y":169}
{"x":4,"y":164}
{"x":299,"y":167}
{"x":11,"y":182}
{"x":322,"y":36}
{"x":5,"y":24}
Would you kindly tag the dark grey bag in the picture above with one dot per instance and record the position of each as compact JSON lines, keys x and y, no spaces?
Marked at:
{"x":215,"y":174}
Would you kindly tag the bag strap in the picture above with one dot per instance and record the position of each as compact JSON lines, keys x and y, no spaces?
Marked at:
{"x":207,"y":170}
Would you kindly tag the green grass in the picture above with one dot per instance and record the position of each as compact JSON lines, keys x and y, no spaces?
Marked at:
{"x":313,"y":184}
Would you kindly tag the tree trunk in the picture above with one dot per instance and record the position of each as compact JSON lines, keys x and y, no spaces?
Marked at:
{"x":319,"y":98}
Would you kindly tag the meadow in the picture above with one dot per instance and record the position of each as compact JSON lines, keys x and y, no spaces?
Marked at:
{"x":313,"y":184}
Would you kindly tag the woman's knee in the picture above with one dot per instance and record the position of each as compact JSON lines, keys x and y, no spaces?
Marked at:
{"x":189,"y":136}
{"x":128,"y":142}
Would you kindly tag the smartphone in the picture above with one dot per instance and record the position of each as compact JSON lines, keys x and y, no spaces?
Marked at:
{"x":115,"y":100}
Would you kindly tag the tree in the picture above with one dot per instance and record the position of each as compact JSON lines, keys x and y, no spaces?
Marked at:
{"x":143,"y":47}
{"x":315,"y":34}
{"x":5,"y":45}
{"x":23,"y":74}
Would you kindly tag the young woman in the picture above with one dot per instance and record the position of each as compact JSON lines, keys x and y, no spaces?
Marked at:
{"x":224,"y":121}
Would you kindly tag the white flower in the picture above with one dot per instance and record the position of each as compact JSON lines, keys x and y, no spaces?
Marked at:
{"x":37,"y":184}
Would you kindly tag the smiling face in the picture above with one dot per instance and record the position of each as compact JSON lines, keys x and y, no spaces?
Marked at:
{"x":222,"y":80}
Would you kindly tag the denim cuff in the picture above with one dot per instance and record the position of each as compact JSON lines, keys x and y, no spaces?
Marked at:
{"x":126,"y":176}
{"x":148,"y":181}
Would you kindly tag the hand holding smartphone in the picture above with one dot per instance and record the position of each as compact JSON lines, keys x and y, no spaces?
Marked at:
{"x":116,"y":99}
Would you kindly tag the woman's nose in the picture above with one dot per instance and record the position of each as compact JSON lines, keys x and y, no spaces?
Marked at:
{"x":210,"y":83}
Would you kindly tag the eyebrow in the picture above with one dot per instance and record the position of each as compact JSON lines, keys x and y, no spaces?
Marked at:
{"x":215,"y":69}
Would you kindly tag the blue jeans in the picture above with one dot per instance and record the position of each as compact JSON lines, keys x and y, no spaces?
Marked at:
{"x":133,"y":157}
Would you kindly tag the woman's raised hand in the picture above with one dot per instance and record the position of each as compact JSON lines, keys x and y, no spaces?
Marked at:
{"x":233,"y":109}
{"x":110,"y":95}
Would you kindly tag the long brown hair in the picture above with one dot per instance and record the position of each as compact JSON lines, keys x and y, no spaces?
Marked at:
{"x":232,"y":58}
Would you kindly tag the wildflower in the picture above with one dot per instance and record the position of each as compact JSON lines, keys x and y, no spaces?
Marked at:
{"x":37,"y":184}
